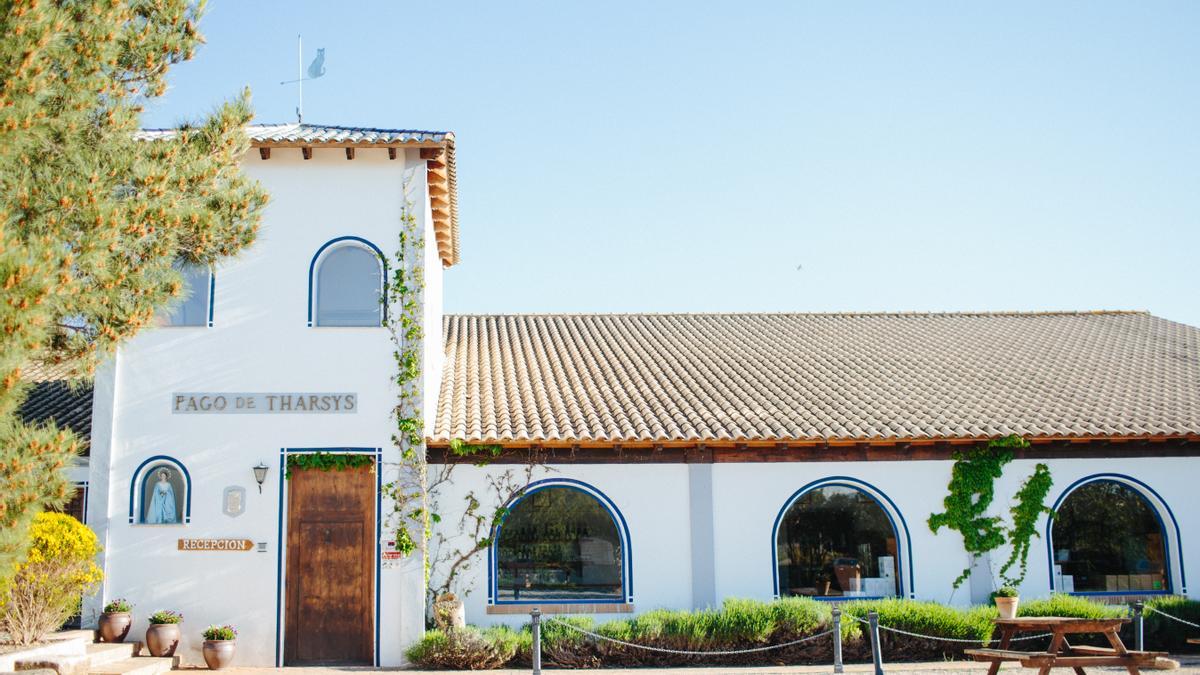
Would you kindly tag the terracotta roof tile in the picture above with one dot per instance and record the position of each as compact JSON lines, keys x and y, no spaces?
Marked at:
{"x":656,"y":378}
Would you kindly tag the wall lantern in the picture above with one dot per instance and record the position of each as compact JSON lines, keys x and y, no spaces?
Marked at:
{"x":260,"y":475}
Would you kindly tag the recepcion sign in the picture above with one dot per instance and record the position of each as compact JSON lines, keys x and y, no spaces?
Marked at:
{"x":215,"y":545}
{"x":226,"y":403}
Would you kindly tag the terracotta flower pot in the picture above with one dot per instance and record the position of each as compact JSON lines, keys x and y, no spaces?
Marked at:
{"x":219,"y":653}
{"x":114,"y":626}
{"x":1007,"y":607}
{"x":162,"y":639}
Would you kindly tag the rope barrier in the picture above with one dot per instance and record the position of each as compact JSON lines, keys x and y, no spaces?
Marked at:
{"x":973,"y":641}
{"x":664,"y":650}
{"x":1172,"y":617}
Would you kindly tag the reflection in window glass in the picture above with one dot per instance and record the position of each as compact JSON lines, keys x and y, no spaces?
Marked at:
{"x":162,"y":496}
{"x":1107,"y":538}
{"x":349,"y":286}
{"x":836,"y":541}
{"x":558,"y":543}
{"x":192,"y":305}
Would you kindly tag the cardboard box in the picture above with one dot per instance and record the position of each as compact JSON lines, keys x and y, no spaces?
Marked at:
{"x":1068,"y":583}
{"x":1110,"y":582}
{"x":887,"y":566}
{"x":1122,"y":582}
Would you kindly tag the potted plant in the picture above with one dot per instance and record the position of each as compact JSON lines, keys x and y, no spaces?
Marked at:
{"x":219,"y":645}
{"x":1007,"y":598}
{"x":115,"y":620}
{"x":162,"y":637}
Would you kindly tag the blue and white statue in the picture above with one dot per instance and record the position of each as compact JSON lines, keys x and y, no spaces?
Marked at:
{"x":161,"y":510}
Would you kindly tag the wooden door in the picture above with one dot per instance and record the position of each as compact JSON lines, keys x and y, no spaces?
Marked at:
{"x":330,"y":567}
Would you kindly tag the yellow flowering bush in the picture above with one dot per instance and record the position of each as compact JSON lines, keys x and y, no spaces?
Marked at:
{"x":46,"y":589}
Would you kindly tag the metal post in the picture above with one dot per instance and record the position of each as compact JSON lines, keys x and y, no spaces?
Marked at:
{"x":876,"y":652}
{"x":837,"y":640}
{"x":1139,"y":625}
{"x":536,"y":617}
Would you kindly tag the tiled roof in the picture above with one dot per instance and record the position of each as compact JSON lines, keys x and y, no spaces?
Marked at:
{"x":712,"y":378}
{"x":444,"y":179}
{"x":53,"y":398}
{"x":323,"y":133}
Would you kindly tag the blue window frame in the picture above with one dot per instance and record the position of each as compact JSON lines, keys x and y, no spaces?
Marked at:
{"x":560,"y":541}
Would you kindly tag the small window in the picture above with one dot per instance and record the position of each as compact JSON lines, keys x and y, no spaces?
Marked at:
{"x":191,"y":308}
{"x":836,"y":541}
{"x":163,"y":491}
{"x":349,"y":288}
{"x":1107,"y":538}
{"x":559,"y":543}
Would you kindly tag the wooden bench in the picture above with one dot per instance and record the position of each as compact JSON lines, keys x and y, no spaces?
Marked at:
{"x":1061,"y":653}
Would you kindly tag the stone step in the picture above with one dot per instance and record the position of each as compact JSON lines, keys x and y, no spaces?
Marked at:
{"x":100,"y":653}
{"x":138,"y":665}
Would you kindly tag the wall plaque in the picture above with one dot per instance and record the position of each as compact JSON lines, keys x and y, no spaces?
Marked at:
{"x":216,"y":545}
{"x":268,"y":403}
{"x":233,"y":501}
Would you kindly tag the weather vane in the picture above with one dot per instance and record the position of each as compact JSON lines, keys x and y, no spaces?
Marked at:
{"x":315,"y":69}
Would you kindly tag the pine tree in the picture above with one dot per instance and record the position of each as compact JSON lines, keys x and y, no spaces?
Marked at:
{"x":94,"y":219}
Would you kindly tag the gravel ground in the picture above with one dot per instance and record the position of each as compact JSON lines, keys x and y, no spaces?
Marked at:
{"x":1189,"y":665}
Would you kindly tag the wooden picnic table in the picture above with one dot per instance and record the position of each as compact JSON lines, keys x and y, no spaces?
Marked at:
{"x":1061,"y":653}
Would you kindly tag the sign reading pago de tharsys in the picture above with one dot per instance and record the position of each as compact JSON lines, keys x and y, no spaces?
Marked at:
{"x":199,"y":403}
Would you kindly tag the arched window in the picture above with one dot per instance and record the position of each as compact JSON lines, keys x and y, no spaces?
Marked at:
{"x":560,"y":543}
{"x":194,"y":303}
{"x":836,"y":540}
{"x":159,"y":493}
{"x":349,"y":291}
{"x":1107,"y":537}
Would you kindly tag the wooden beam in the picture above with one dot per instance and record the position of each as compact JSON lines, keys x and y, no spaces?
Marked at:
{"x":437,"y":190}
{"x":435,"y":164}
{"x":306,"y":151}
{"x":431,"y":153}
{"x":346,"y":144}
{"x":349,"y":153}
{"x":439,"y":203}
{"x":391,"y":153}
{"x":437,"y":176}
{"x":264,"y":153}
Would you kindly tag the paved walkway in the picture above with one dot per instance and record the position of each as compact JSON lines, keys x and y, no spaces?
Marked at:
{"x":1190,"y":665}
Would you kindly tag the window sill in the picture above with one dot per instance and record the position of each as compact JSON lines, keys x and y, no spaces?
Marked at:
{"x":563,"y":608}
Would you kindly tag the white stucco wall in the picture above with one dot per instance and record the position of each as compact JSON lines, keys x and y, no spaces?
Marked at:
{"x":260,"y":342}
{"x":747,"y":498}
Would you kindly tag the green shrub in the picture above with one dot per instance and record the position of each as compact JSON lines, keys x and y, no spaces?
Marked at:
{"x":1169,"y":635}
{"x":464,"y":648}
{"x":117,"y":606}
{"x":215,"y":632}
{"x":796,"y":617}
{"x":46,"y":588}
{"x":929,"y":618}
{"x":1061,"y":604}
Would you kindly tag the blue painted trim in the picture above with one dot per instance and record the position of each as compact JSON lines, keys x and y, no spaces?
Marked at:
{"x":212,"y":294}
{"x":618,"y":520}
{"x":377,"y":453}
{"x":187,"y":477}
{"x":1118,"y":593}
{"x":875,"y":494}
{"x":378,"y":543}
{"x":312,"y":269}
{"x":1134,"y":484}
{"x":279,"y":566}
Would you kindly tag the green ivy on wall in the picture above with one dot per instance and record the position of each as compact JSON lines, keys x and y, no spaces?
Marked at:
{"x":971,"y":492}
{"x":326,"y":461}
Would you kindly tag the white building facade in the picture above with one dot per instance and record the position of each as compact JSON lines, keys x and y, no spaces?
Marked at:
{"x":283,"y":361}
{"x":640,"y":461}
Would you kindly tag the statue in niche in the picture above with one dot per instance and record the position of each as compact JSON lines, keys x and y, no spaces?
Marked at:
{"x":160,"y":509}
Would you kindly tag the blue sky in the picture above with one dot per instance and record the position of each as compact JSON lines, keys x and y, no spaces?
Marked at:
{"x":742,"y":156}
